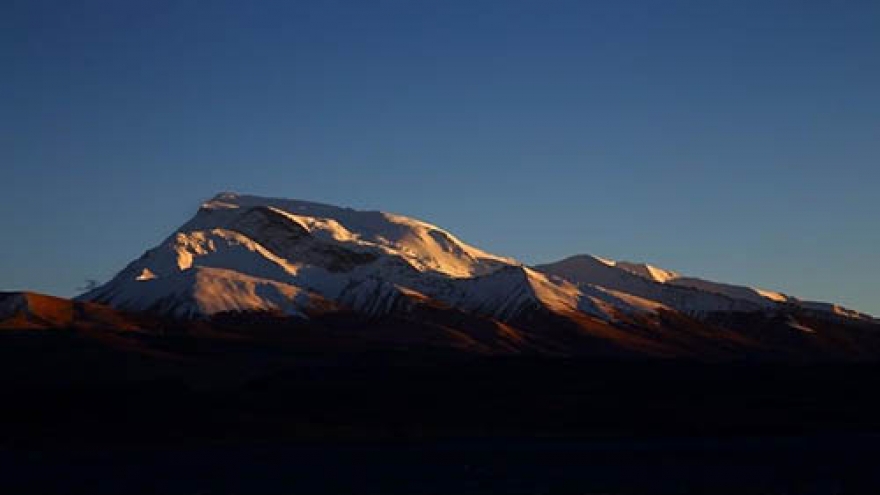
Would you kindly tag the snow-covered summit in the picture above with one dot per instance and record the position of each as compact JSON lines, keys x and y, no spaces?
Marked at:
{"x":244,"y":252}
{"x":425,"y":246}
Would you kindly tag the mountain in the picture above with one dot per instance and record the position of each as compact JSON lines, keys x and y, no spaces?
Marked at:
{"x":686,"y":294}
{"x":32,"y":311}
{"x":244,"y":253}
{"x":247,"y":253}
{"x":297,"y":260}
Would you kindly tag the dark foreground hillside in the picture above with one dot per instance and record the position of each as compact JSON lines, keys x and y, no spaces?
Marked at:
{"x":81,"y":418}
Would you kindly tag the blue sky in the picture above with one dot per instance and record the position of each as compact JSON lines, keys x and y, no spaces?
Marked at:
{"x":737,"y":141}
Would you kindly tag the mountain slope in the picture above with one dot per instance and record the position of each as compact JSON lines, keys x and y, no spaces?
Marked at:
{"x":591,"y":271}
{"x":687,"y":294}
{"x":31,"y":311}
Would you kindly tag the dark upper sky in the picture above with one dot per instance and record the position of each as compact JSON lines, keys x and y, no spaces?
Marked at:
{"x":731,"y":140}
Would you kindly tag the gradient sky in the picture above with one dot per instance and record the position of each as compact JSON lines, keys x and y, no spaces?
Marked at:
{"x":737,"y":141}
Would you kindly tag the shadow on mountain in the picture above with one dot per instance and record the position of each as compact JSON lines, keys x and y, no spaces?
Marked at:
{"x":104,"y":402}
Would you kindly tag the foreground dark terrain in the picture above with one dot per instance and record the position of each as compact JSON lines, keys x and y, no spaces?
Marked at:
{"x":101,"y":401}
{"x":204,"y":415}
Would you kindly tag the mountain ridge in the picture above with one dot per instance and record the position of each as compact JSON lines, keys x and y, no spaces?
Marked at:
{"x":306,"y":245}
{"x":301,"y":259}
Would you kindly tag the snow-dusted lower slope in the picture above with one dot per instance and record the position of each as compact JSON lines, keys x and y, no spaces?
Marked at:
{"x":204,"y":290}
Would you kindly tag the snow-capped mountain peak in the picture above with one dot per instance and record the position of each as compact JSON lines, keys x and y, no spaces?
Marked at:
{"x":425,"y":246}
{"x":249,"y":253}
{"x":252,"y":245}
